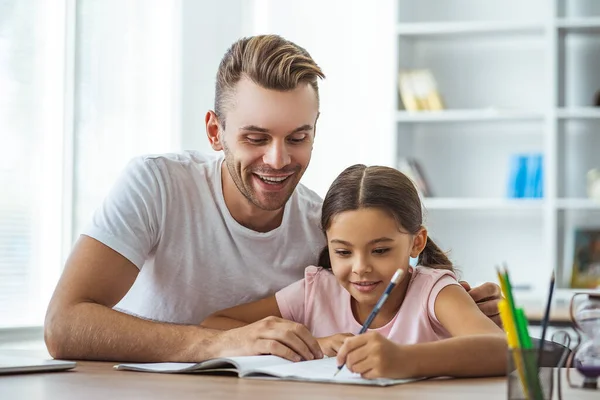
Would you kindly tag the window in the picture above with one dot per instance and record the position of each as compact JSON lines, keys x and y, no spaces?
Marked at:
{"x":31,"y":156}
{"x":84,"y":86}
{"x":126,"y":91}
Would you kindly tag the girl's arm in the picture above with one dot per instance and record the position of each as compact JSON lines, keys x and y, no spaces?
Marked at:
{"x":477,"y":348}
{"x":243,"y":314}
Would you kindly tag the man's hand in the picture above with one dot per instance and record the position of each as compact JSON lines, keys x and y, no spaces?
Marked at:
{"x":373,"y":356}
{"x":487,"y":297}
{"x":331,"y":344}
{"x":270,"y":335}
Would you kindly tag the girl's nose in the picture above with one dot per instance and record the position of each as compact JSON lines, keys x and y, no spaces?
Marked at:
{"x":361,"y":267}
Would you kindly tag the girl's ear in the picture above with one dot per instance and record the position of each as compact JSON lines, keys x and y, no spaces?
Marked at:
{"x":419,"y":242}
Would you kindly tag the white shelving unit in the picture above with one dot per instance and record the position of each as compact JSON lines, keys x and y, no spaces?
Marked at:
{"x":467,"y":28}
{"x":468,"y":115}
{"x":515,"y":77}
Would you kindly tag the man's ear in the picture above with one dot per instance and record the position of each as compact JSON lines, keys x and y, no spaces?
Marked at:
{"x":213,"y":127}
{"x":419,"y":242}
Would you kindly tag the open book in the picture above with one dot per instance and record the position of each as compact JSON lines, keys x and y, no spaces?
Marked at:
{"x":267,"y":367}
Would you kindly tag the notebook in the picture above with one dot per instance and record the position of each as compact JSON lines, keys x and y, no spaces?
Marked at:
{"x":267,"y":367}
{"x":15,"y":364}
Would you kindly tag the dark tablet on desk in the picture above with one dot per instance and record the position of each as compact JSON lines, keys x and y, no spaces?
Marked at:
{"x":16,"y":364}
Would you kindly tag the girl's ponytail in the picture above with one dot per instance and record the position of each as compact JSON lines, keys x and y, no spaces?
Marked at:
{"x":432,"y":256}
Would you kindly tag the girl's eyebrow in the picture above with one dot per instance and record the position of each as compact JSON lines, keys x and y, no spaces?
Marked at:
{"x":378,"y":240}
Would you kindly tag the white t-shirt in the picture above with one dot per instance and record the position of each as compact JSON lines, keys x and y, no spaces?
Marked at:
{"x":167,"y":215}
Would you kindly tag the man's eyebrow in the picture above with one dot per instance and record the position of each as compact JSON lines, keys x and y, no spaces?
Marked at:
{"x":254,"y":128}
{"x":374,"y":241}
{"x":303,"y":128}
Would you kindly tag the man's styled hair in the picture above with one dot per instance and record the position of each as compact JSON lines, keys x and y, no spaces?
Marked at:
{"x":269,"y":61}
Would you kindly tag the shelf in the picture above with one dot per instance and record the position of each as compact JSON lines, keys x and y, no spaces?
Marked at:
{"x":579,"y":24}
{"x":467,"y":115}
{"x":458,"y":203}
{"x":514,"y":83}
{"x":461,"y":28}
{"x":577,"y":204}
{"x":579,"y":113}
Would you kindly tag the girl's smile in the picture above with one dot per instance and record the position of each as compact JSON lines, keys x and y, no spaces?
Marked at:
{"x":365,"y":286}
{"x":366,"y":247}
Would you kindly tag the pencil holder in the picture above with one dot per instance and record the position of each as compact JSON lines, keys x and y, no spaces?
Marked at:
{"x":525,"y":380}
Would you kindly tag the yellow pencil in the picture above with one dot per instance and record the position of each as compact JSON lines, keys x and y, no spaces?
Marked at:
{"x":513,"y":343}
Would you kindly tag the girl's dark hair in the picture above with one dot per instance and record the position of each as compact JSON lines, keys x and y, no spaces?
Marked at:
{"x":384,"y":188}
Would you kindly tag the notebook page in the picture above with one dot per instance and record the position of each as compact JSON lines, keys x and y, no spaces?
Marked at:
{"x":225,"y":363}
{"x":157,"y":367}
{"x":246,"y":363}
{"x":322,"y":370}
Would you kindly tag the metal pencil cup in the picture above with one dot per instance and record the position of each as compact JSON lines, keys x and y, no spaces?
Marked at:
{"x":525,"y":380}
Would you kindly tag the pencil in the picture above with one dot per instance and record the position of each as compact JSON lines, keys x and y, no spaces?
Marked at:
{"x":513,"y":343}
{"x":377,"y":308}
{"x":546,"y":320}
{"x":531,"y":370}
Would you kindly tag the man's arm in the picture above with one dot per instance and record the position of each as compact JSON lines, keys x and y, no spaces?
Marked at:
{"x":267,"y":311}
{"x":243,"y":314}
{"x":487,"y":296}
{"x":81,"y":324}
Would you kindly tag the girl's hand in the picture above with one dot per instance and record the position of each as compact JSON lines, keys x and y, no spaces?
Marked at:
{"x":330,"y":345}
{"x":373,"y":356}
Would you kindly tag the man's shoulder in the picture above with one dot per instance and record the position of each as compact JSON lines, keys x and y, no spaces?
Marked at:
{"x":171,"y":166}
{"x":308,"y":203}
{"x":308,"y":198}
{"x":174,"y":160}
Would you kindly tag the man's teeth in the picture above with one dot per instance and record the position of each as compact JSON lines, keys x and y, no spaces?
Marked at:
{"x":272,"y":179}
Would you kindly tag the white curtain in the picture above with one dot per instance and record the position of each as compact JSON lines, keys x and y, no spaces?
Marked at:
{"x":31,"y":156}
{"x":84,"y":86}
{"x":126,"y":91}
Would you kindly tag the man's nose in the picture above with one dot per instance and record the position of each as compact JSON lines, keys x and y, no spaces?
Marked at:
{"x":277,"y":155}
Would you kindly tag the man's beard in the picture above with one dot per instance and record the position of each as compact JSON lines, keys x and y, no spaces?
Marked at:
{"x":247,"y":189}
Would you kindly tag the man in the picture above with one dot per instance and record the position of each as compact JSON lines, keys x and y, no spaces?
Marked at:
{"x":183,"y":235}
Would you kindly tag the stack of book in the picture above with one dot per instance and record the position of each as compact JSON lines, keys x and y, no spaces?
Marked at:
{"x":413,"y":170}
{"x":418,"y":90}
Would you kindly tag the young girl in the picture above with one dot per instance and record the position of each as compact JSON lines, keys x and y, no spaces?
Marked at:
{"x":429,"y":326}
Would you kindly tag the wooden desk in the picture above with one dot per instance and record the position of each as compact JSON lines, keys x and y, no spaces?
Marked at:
{"x":96,"y":380}
{"x":559,"y":316}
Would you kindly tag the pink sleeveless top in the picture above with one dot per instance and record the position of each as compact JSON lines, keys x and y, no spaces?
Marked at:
{"x":323,"y":306}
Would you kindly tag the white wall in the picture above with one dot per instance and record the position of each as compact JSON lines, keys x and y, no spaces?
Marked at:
{"x":208,"y":29}
{"x":351,"y":40}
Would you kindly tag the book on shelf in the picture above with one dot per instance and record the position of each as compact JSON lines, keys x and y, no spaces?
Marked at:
{"x":585,"y":273}
{"x":415,"y":172}
{"x":526,"y":176}
{"x":418,"y":90}
{"x":266,"y":367}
